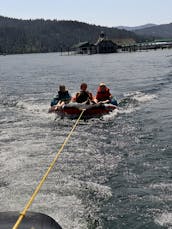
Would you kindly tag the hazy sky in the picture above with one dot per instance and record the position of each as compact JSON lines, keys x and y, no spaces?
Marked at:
{"x":100,"y":12}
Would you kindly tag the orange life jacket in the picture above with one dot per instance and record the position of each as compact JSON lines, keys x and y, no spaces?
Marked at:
{"x":103,"y":95}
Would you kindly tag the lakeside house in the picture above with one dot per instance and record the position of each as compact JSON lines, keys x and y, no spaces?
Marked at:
{"x":103,"y":45}
{"x":84,"y":48}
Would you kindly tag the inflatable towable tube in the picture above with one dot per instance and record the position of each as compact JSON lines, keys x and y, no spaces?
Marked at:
{"x":73,"y":110}
{"x":32,"y":220}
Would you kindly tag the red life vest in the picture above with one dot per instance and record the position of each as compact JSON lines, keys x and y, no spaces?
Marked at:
{"x":103,"y":95}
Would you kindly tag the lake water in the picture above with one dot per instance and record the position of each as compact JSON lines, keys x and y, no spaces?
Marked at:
{"x":114,"y":173}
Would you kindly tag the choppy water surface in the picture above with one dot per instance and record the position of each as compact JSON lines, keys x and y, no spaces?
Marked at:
{"x":114,"y":172}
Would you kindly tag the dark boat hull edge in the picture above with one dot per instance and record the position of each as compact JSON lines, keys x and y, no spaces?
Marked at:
{"x":30,"y":221}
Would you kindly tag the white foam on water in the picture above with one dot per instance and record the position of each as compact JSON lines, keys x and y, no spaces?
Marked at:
{"x":39,"y":109}
{"x":140,"y":96}
{"x":32,"y":106}
{"x":133,"y":100}
{"x":75,"y":211}
{"x":71,"y":215}
{"x":127,"y":110}
{"x":164,"y":219}
{"x":101,"y":191}
{"x":67,"y":210}
{"x":111,"y":115}
{"x":163,"y":186}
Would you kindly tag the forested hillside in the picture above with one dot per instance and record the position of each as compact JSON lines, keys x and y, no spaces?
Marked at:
{"x":28,"y":36}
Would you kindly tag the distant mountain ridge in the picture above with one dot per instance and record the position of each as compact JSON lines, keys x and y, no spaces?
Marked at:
{"x":158,"y":31}
{"x":134,"y":28}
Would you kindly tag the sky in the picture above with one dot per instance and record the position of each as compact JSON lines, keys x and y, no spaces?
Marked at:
{"x":110,"y":13}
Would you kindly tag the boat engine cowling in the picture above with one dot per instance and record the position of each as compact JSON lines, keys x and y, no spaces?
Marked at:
{"x":32,"y":220}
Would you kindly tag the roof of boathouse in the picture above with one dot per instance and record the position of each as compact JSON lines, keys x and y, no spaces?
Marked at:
{"x":81,"y":44}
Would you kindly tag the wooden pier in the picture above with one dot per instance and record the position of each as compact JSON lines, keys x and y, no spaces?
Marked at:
{"x":147,"y":46}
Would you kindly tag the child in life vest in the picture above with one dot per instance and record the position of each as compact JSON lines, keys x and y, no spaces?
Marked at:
{"x":83,"y":95}
{"x":103,"y":94}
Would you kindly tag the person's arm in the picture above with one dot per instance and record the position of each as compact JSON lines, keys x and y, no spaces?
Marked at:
{"x":77,"y":96}
{"x":90,"y":96}
{"x":69,"y":96}
{"x":97,"y":97}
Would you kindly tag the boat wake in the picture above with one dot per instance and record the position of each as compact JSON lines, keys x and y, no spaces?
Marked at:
{"x":164,"y":219}
{"x":134,"y":100}
{"x":137,"y":98}
{"x":130,"y":103}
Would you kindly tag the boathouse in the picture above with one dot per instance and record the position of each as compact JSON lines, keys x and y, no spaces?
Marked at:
{"x":103,"y":45}
{"x":84,"y":48}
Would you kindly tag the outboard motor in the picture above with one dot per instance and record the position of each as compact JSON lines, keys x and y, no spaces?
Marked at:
{"x":32,"y":220}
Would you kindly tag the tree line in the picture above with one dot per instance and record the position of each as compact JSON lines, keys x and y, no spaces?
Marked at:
{"x":40,"y":36}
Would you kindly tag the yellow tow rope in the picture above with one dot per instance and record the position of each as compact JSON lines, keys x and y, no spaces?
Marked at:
{"x":23,"y":213}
